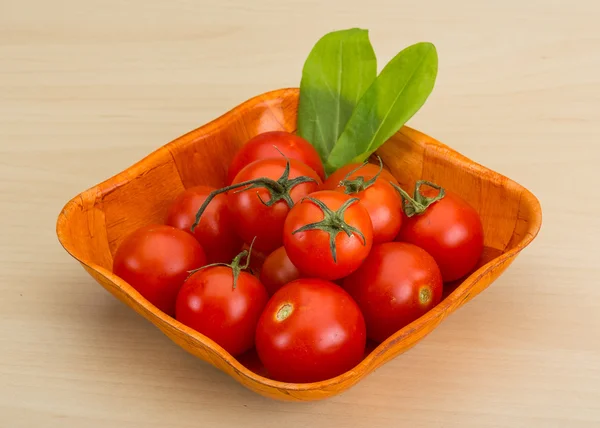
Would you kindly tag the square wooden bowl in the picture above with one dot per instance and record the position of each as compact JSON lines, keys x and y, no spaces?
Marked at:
{"x":91,"y":225}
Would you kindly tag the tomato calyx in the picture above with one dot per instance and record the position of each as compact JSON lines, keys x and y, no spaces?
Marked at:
{"x":418,"y":203}
{"x":333,"y":223}
{"x":278,"y":190}
{"x":358,"y":184}
{"x":235,"y":265}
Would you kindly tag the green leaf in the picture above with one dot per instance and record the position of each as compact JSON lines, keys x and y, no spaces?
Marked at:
{"x":394,"y":97}
{"x":337,"y":72}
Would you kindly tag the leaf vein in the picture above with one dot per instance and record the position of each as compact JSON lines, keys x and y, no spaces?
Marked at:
{"x":382,"y":121}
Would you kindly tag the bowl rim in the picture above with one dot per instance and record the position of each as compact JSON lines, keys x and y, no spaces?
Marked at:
{"x":368,"y":363}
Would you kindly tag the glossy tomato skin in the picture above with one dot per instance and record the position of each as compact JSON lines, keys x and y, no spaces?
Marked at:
{"x":277,"y":270}
{"x":215,"y":231}
{"x":265,"y":145}
{"x":310,"y":250}
{"x":251,"y":217}
{"x":155,"y":260}
{"x":450,"y":230}
{"x":384,"y":205}
{"x":367,"y":171}
{"x":209,"y":304}
{"x":310,"y":330}
{"x":395,"y":285}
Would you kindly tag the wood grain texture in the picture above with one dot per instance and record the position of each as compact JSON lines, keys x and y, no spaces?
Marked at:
{"x":89,"y":88}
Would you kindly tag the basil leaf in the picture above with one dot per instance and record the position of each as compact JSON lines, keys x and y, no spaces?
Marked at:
{"x":394,"y":97}
{"x":337,"y":72}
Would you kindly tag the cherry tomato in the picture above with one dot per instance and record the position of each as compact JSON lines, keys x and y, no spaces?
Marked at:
{"x":271,"y":145}
{"x":215,"y":230}
{"x":252,"y":217}
{"x":367,"y":171}
{"x":448,"y":229}
{"x":395,"y":285}
{"x":277,"y":270}
{"x":155,"y":260}
{"x":328,"y":235}
{"x":310,"y":330}
{"x":381,"y":200}
{"x":209,"y":303}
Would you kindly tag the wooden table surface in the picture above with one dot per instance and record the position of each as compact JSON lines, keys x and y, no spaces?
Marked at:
{"x":87,"y":88}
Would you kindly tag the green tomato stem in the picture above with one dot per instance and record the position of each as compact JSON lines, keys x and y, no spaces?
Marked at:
{"x":419,"y":203}
{"x":333,"y":223}
{"x":359,"y":184}
{"x":279,"y":190}
{"x":235,"y":265}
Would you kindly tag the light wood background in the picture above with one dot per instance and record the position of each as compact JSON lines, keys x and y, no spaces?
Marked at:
{"x":89,"y":87}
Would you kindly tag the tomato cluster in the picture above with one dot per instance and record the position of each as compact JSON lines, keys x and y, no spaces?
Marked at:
{"x":346,"y":259}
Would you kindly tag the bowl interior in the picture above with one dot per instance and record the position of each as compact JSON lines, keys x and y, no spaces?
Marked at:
{"x":94,"y":223}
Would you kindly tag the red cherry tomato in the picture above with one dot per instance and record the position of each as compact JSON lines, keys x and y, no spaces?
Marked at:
{"x":277,"y":270}
{"x":328,"y":235}
{"x":252,"y":218}
{"x":310,"y":330}
{"x":155,"y":260}
{"x":450,"y":230}
{"x":271,"y":145}
{"x":397,"y":284}
{"x":215,"y":230}
{"x":381,"y":200}
{"x":367,"y":171}
{"x":209,"y":303}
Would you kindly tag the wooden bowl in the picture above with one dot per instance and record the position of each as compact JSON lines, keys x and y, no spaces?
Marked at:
{"x":91,"y":225}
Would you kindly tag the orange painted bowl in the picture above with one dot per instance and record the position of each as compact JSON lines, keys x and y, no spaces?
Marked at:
{"x":92,"y":225}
